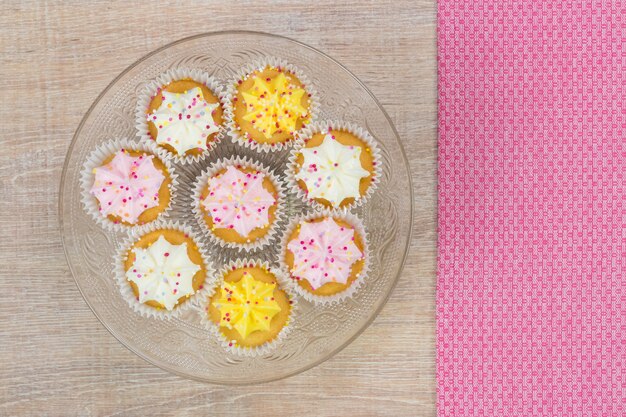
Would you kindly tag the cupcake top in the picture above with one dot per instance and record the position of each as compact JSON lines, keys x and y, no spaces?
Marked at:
{"x":163,"y":272}
{"x":247,"y":305}
{"x":268,"y":104}
{"x":237,"y":200}
{"x":127,"y":186}
{"x":273,"y":104}
{"x":324,"y":252}
{"x":184,"y":120}
{"x":332,"y":171}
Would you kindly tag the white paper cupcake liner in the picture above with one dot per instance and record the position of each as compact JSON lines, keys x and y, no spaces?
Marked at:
{"x":197,"y":299}
{"x":231,"y":92}
{"x":359,"y":229}
{"x":95,"y":159}
{"x":230,"y":345}
{"x":145,"y":97}
{"x":322,"y":127}
{"x":212,"y":170}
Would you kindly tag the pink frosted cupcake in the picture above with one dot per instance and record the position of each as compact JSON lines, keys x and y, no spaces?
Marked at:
{"x":127,"y":184}
{"x":238,"y":202}
{"x":326,"y":255}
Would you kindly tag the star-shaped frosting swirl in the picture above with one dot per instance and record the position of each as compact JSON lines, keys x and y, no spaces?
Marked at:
{"x":332,"y":171}
{"x":323,"y":252}
{"x":273,"y":104}
{"x":237,"y":199}
{"x":184,"y":120}
{"x":127,"y":186}
{"x":163,"y":272}
{"x":247,"y":305}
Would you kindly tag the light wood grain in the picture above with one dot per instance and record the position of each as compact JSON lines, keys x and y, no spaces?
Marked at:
{"x":55,"y":357}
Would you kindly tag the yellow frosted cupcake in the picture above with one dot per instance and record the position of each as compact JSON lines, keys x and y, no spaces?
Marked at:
{"x":268,"y":106}
{"x":250,"y":308}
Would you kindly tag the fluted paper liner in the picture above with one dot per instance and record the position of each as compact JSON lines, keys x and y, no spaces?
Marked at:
{"x":322,"y":127}
{"x":196,"y":299}
{"x":231,"y":92}
{"x":359,"y":229}
{"x":230,"y":345}
{"x":146,"y":96}
{"x":95,"y":159}
{"x":244,"y":162}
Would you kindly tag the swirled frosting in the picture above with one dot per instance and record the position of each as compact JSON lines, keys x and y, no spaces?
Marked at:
{"x":238,"y":200}
{"x":163,"y":272}
{"x":127,"y":186}
{"x":323,"y":252}
{"x":332,"y":171}
{"x":273,"y":104}
{"x":247,"y":305}
{"x":184,"y":120}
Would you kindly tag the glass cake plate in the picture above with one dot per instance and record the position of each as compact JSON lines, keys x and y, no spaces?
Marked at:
{"x":182,"y":345}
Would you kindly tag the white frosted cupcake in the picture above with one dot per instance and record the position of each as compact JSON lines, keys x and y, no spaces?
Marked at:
{"x":182,"y":112}
{"x":163,"y":269}
{"x":334,"y":165}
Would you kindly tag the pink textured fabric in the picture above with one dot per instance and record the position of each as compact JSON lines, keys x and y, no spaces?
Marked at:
{"x":531,"y":296}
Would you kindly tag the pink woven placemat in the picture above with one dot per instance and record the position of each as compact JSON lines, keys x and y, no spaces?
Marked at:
{"x":531,"y":294}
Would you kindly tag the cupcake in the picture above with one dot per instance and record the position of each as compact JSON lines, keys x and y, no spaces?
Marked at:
{"x":326,"y":255}
{"x":161,"y":270}
{"x":126,"y":184}
{"x":238,"y":202}
{"x":181,"y":111}
{"x":250,"y":310}
{"x":335,"y":165}
{"x":267,"y":104}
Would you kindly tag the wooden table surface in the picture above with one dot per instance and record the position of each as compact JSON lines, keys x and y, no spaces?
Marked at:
{"x":56,"y":358}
